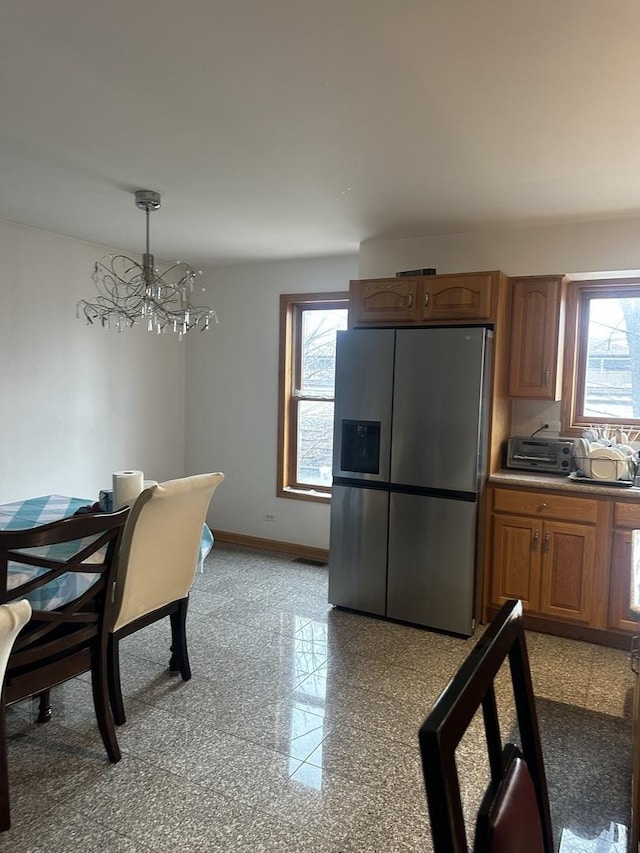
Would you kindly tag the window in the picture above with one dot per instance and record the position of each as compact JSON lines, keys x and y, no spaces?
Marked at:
{"x":602,"y":383}
{"x":308,"y":326}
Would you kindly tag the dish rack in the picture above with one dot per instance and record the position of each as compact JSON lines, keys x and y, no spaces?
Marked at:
{"x":606,"y":469}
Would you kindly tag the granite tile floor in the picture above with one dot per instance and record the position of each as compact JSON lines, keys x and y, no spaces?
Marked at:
{"x":298,"y":731}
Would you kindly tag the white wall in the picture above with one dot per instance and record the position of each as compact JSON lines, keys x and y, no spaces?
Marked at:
{"x":572,"y":249}
{"x":232,"y":397}
{"x":549,"y":249}
{"x":78,"y":402}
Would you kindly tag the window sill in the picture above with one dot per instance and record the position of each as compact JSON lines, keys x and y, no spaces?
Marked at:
{"x":305,"y":495}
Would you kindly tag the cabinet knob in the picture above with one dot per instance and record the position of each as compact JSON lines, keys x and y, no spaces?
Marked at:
{"x":545,"y":544}
{"x":635,"y":655}
{"x":542,"y":506}
{"x":426,"y":300}
{"x":547,"y":375}
{"x":534,"y":543}
{"x":411,"y":300}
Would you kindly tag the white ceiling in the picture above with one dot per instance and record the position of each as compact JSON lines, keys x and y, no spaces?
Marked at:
{"x":285,"y":128}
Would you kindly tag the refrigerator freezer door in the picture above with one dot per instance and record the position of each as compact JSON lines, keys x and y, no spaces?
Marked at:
{"x":439,"y":432}
{"x":358,"y":548}
{"x":362,"y":418}
{"x":432,"y":562}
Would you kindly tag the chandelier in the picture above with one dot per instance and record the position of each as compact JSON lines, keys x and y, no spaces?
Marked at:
{"x":130,"y":293}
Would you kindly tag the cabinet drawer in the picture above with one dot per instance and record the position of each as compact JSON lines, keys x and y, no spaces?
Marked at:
{"x":545,"y":505}
{"x":627,"y":514}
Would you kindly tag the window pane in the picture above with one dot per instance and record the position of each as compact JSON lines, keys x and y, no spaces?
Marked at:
{"x":318,"y":361}
{"x":612,"y":385}
{"x":315,"y":442}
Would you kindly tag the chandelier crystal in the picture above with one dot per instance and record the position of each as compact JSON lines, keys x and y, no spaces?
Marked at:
{"x":132,"y":293}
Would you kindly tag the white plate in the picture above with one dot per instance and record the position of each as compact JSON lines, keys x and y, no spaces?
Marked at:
{"x":607,"y":463}
{"x":582,"y":450}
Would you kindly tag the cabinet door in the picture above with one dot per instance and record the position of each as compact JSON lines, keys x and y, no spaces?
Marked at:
{"x":620,"y":583}
{"x":515,"y":572}
{"x":457,"y":297}
{"x":535,"y":368}
{"x":384,"y":300}
{"x":568,"y":556}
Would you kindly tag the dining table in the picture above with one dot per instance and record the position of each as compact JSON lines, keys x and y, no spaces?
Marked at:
{"x":32,"y":512}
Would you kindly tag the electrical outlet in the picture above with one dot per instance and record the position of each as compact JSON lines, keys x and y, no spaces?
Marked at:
{"x":554,"y":426}
{"x":269,"y":516}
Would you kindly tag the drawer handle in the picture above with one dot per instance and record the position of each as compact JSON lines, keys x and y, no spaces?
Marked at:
{"x":545,"y":544}
{"x":635,"y":655}
{"x":547,"y":375}
{"x":426,"y":300}
{"x":411,"y":300}
{"x":534,"y":544}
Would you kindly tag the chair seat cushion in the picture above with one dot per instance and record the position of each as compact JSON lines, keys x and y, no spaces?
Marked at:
{"x":514,"y":818}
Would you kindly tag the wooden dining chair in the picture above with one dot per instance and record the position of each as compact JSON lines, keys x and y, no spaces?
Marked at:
{"x":514,"y":816}
{"x":13,"y":617}
{"x":72,"y":637}
{"x":156,"y":567}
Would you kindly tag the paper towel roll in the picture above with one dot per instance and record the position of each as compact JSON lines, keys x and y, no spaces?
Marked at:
{"x":127,"y":485}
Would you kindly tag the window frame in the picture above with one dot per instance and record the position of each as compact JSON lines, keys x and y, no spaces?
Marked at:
{"x":576,"y":337}
{"x":290,"y":357}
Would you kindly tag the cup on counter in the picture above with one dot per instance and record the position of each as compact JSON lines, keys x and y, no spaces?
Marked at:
{"x":105,"y":500}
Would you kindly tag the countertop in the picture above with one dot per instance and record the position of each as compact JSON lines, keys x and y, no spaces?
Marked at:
{"x":561,"y":483}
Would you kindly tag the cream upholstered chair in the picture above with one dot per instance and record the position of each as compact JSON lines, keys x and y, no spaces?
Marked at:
{"x":13,"y":617}
{"x":156,"y":567}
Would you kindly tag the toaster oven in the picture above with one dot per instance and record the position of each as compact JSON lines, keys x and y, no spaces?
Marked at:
{"x":551,"y":455}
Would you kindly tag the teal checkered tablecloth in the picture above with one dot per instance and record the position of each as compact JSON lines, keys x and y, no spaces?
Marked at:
{"x":33,"y":512}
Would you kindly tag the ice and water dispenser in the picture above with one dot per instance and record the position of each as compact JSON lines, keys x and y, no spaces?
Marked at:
{"x":360,"y":451}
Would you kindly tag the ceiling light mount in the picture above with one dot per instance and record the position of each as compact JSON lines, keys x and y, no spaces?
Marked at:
{"x":130,"y":292}
{"x":148,"y":200}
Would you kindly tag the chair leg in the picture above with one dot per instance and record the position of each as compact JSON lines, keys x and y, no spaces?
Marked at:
{"x":113,"y":681}
{"x":102,"y":707}
{"x":179,"y":655}
{"x":44,"y":707}
{"x":5,"y":810}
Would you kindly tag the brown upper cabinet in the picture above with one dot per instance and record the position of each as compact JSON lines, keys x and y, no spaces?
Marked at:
{"x":384,"y":300}
{"x":450,"y":298}
{"x":537,"y":337}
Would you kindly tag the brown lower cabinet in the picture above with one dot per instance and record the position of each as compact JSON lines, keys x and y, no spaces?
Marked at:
{"x":626,"y":518}
{"x":548,"y":564}
{"x":567,"y":557}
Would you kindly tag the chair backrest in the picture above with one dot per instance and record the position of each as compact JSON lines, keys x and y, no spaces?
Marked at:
{"x":41,"y":558}
{"x":515,"y":812}
{"x":160,"y":545}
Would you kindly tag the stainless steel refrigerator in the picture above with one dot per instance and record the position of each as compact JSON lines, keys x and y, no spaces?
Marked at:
{"x":410,"y":437}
